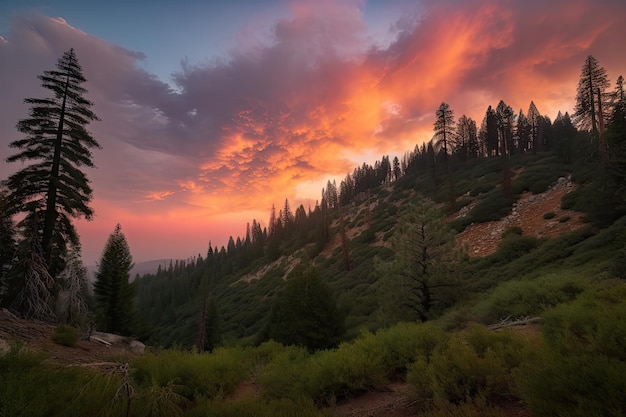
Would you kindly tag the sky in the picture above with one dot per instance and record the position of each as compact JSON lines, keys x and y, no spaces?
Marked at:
{"x":213,"y":111}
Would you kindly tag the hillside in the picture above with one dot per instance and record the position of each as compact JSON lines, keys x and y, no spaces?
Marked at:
{"x":529,"y":214}
{"x":528,"y":256}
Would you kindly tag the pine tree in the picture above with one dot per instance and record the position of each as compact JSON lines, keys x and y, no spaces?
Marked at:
{"x":114,"y":294}
{"x":420,"y":278}
{"x":590,"y":95}
{"x":58,"y":144}
{"x":616,"y":139}
{"x":444,"y":130}
{"x":466,"y":143}
{"x":534,"y":119}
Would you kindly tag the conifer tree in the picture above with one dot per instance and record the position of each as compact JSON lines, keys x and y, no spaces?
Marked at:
{"x":590,"y":95}
{"x":420,"y":278}
{"x":444,"y":130}
{"x":58,"y":144}
{"x":114,"y":294}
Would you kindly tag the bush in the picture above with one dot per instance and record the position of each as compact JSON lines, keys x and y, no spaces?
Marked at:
{"x":528,"y":297}
{"x":476,"y":366}
{"x":66,"y":335}
{"x":581,"y":373}
{"x":512,"y":231}
{"x":193,"y":375}
{"x":564,"y":219}
{"x":549,"y":215}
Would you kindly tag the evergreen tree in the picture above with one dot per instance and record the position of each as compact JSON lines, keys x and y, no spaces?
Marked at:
{"x":590,"y":96}
{"x":58,"y":143}
{"x":466,"y":143}
{"x":420,"y":279}
{"x":114,"y":294}
{"x":616,"y":169}
{"x":304,"y":313}
{"x":534,"y":120}
{"x":444,"y":130}
{"x":397,"y":171}
{"x":489,"y":133}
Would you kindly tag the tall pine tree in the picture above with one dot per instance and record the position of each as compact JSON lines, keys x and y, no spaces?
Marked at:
{"x":114,"y":294}
{"x":590,"y":95}
{"x":53,"y":189}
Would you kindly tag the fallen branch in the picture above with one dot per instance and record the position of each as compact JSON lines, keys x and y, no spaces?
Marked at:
{"x":519,"y":322}
{"x":97,"y":339}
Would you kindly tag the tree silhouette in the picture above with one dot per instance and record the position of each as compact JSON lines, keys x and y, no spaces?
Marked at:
{"x":58,"y":144}
{"x":590,"y":95}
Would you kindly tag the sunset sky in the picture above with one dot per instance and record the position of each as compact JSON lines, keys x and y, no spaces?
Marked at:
{"x":213,"y":111}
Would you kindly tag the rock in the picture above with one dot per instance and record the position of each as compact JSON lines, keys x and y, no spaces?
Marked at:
{"x":137,"y":347}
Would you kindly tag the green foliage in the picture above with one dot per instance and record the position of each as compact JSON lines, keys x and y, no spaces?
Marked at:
{"x":540,"y":175}
{"x":549,"y":215}
{"x":66,"y":335}
{"x":475,"y":366}
{"x":305,"y":313}
{"x":528,"y":297}
{"x":33,"y":388}
{"x":512,"y":231}
{"x":114,"y":294}
{"x":417,"y":282}
{"x":493,"y":206}
{"x":193,"y":375}
{"x":368,"y":362}
{"x":581,"y":372}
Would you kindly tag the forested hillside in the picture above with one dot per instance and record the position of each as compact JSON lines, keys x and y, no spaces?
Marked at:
{"x":360,"y":242}
{"x":379,"y":283}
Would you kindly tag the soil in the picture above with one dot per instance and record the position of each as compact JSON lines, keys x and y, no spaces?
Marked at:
{"x":37,"y":335}
{"x":528,"y":213}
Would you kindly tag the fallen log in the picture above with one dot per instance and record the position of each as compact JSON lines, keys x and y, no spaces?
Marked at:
{"x":520,"y":322}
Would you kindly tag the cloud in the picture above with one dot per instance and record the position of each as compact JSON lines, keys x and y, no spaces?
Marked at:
{"x":244,"y":131}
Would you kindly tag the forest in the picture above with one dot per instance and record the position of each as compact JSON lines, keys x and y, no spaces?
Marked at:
{"x":368,"y":287}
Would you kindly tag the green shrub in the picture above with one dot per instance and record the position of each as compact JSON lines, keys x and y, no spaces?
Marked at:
{"x":476,"y":366}
{"x":66,"y":335}
{"x":192,"y":374}
{"x":482,"y":189}
{"x":549,"y":215}
{"x":32,"y":388}
{"x":581,"y":373}
{"x":514,"y":246}
{"x":529,"y":297}
{"x":564,"y":219}
{"x":512,"y":230}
